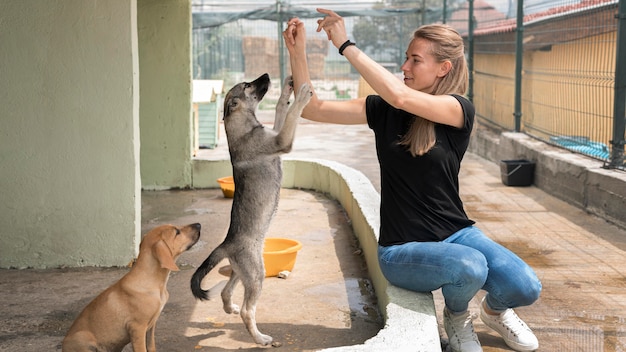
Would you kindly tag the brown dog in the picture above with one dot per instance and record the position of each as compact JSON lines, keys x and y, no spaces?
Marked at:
{"x":128,"y":310}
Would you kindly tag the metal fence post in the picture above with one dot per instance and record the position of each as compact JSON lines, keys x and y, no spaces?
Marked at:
{"x":470,"y":51}
{"x":519,"y":55}
{"x":281,"y":44}
{"x":619,"y":102}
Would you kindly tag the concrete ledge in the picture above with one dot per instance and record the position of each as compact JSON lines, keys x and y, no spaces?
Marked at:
{"x":571,"y":177}
{"x":410,"y":317}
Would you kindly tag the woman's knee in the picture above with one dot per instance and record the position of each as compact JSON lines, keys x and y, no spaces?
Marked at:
{"x":521,"y":293}
{"x":471,"y":268}
{"x":528,"y":287}
{"x":529,"y":293}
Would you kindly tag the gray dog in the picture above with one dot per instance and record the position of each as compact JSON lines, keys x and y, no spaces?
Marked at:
{"x":257,"y":170}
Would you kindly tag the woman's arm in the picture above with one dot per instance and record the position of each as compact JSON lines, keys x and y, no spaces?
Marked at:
{"x":443,"y":109}
{"x":340,"y":112}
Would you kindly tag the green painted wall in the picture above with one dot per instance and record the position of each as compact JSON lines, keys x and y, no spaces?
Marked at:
{"x":164,"y":29}
{"x":69,"y":133}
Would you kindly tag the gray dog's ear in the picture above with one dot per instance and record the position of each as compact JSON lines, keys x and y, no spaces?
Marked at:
{"x":230,"y":106}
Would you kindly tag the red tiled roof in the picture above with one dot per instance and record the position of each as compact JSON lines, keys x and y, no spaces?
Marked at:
{"x":491,"y":21}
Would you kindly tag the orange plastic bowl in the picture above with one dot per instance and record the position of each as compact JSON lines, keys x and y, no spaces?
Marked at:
{"x":227,"y":184}
{"x":279,"y":254}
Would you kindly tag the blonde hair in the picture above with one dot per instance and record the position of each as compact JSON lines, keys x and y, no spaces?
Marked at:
{"x":447,"y":45}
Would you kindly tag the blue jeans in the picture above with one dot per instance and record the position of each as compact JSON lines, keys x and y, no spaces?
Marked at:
{"x":461,"y":265}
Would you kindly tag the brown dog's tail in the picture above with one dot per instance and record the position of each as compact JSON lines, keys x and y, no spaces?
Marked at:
{"x":209,"y":263}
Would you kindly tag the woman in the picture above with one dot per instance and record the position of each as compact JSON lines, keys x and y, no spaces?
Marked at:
{"x":422,"y":128}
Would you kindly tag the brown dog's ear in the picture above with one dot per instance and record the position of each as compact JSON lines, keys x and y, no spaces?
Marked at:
{"x":164,"y":256}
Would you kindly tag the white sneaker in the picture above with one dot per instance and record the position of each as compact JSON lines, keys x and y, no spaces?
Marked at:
{"x":460,"y":330}
{"x":513,"y":330}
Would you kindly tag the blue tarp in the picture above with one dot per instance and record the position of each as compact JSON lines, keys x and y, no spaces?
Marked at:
{"x":583,"y":145}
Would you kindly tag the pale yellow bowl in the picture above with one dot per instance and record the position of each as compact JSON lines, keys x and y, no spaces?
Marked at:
{"x":227,"y":184}
{"x":279,"y":254}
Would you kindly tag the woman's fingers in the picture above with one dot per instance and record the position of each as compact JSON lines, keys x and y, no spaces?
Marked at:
{"x":320,"y":26}
{"x":331,"y":21}
{"x":288,"y":35}
{"x":295,"y":28}
{"x":327,"y":12}
{"x":290,"y":32}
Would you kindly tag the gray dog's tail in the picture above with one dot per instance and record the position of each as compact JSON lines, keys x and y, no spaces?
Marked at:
{"x":209,"y":263}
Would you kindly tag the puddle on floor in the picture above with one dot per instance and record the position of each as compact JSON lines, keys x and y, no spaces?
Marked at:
{"x":362,"y":300}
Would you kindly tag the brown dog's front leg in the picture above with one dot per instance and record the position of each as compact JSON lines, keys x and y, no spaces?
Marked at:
{"x":138,"y":335}
{"x":150,"y":337}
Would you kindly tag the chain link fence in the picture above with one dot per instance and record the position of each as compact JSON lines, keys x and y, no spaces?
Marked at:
{"x":546,"y":68}
{"x":567,"y":63}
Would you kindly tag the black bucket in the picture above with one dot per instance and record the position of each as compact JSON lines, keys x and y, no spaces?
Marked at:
{"x":517,"y":172}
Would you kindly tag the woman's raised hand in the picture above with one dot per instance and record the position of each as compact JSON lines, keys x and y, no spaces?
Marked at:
{"x":294,"y":35}
{"x":333,"y":25}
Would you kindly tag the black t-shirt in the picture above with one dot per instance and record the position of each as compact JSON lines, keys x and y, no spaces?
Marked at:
{"x":419,"y":195}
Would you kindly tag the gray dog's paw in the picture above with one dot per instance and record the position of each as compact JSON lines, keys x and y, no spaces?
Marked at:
{"x":288,"y":82}
{"x":305,"y":94}
{"x":285,"y":94}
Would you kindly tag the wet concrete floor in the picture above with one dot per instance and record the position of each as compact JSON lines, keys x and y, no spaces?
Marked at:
{"x":326,"y":301}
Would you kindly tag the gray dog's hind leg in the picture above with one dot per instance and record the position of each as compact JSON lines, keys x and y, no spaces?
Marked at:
{"x":248,"y":312}
{"x":227,"y":294}
{"x":251,"y":275}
